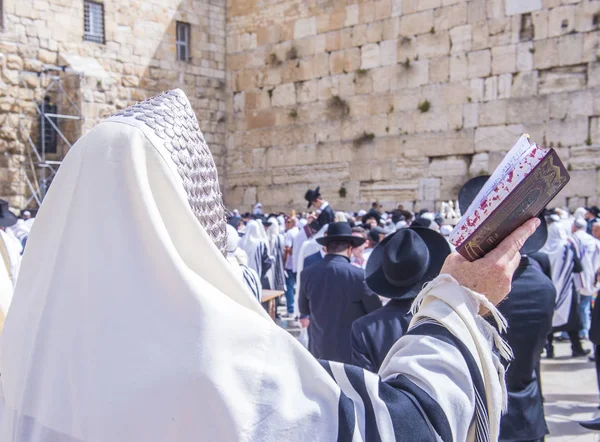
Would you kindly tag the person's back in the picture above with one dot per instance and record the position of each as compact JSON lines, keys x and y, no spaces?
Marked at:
{"x":528,"y":309}
{"x":338,"y":295}
{"x":374,"y":334}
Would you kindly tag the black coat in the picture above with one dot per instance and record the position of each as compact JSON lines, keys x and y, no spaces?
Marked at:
{"x":373,"y":335}
{"x":312,"y":259}
{"x":325,"y":217}
{"x":528,"y":309}
{"x":334,"y":294}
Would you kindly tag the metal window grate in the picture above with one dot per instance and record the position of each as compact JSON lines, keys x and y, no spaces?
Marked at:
{"x":182,"y":43}
{"x":93,"y":21}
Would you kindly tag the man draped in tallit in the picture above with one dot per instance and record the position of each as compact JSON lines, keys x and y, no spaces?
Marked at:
{"x":134,"y":327}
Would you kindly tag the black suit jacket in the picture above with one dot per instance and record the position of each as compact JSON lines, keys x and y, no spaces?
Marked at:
{"x":312,"y":259}
{"x":325,"y":217}
{"x":528,"y":309}
{"x":334,"y":294}
{"x":374,"y":334}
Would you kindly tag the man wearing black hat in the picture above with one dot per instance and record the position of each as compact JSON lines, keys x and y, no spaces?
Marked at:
{"x":333,"y":294}
{"x":528,"y":308}
{"x":397,"y":269}
{"x":591,"y":216}
{"x":326,"y":216}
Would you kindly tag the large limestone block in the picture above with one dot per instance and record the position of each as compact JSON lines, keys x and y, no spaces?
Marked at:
{"x":370,"y":56}
{"x":461,"y":38}
{"x":524,"y":57}
{"x":546,"y":53}
{"x":284,"y":95}
{"x":447,"y":167}
{"x":418,"y":74}
{"x":450,"y":16}
{"x":414,"y":24}
{"x":435,"y":144}
{"x":582,"y":184}
{"x":470,"y":115}
{"x":307,"y":91}
{"x":583,"y":157}
{"x":570,"y":49}
{"x":570,"y":132}
{"x":458,"y":67}
{"x":433,"y":45}
{"x":352,"y":17}
{"x":497,"y":138}
{"x":562,"y":79}
{"x":429,"y":189}
{"x":525,"y":84}
{"x":504,"y":59}
{"x":305,"y":27}
{"x":540,"y":24}
{"x":388,"y":52}
{"x":480,"y":63}
{"x":490,"y":89}
{"x":529,"y":110}
{"x":493,"y":113}
{"x":561,"y":20}
{"x":439,"y":69}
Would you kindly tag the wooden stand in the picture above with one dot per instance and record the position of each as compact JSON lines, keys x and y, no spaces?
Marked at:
{"x":269,"y":301}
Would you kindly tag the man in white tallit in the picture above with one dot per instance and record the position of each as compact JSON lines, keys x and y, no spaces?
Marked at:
{"x":134,"y":327}
{"x":10,"y":259}
{"x":585,"y":281}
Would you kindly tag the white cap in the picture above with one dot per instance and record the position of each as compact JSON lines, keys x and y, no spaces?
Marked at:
{"x":580,"y":223}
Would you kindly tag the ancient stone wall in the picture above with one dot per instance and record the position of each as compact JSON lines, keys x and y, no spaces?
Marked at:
{"x":137,"y":60}
{"x":404,"y":100}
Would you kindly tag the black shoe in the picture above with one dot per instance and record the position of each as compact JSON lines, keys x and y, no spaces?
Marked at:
{"x":591,"y":425}
{"x":550,"y":353}
{"x":581,"y":353}
{"x":592,"y":358}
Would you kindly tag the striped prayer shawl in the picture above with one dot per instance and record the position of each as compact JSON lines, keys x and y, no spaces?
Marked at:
{"x":397,"y":409}
{"x":252,"y":281}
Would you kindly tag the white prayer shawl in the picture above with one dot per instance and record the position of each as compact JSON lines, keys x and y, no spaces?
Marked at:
{"x":254,"y":243}
{"x":589,"y":255}
{"x":561,"y":264}
{"x":14,"y":249}
{"x":307,"y":248}
{"x":238,"y":260}
{"x":133,"y":327}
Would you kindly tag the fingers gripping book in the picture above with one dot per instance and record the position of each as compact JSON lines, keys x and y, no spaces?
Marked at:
{"x":528,"y":178}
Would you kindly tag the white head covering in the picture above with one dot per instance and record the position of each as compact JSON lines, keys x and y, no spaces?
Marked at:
{"x":580,"y":223}
{"x":255,"y":234}
{"x":580,"y":213}
{"x":133,"y":326}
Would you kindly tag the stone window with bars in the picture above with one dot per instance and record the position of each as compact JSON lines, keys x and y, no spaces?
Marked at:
{"x":182,"y":42}
{"x":93,"y":21}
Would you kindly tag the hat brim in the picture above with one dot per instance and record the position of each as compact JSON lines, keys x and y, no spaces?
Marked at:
{"x":355,"y":241}
{"x":439,"y":249}
{"x":9,"y":219}
{"x":536,"y":241}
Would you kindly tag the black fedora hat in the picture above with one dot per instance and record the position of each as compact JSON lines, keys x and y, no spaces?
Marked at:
{"x":594,"y":210}
{"x":7,"y":218}
{"x":340,"y":232}
{"x":403,"y":262}
{"x":468,"y":193}
{"x":312,"y":195}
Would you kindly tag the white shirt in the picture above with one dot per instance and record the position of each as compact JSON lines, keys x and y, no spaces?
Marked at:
{"x":289,"y":237}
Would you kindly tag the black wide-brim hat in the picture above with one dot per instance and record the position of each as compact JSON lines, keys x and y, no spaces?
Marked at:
{"x":403,"y":262}
{"x":340,"y":232}
{"x":468,"y":193}
{"x":312,"y":195}
{"x":7,"y":218}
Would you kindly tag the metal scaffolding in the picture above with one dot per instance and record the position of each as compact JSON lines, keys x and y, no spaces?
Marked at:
{"x":38,"y":170}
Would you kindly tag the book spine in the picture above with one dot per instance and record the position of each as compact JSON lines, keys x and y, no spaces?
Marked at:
{"x":527,"y":201}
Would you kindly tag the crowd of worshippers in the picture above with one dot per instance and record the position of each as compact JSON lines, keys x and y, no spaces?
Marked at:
{"x":351,"y":279}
